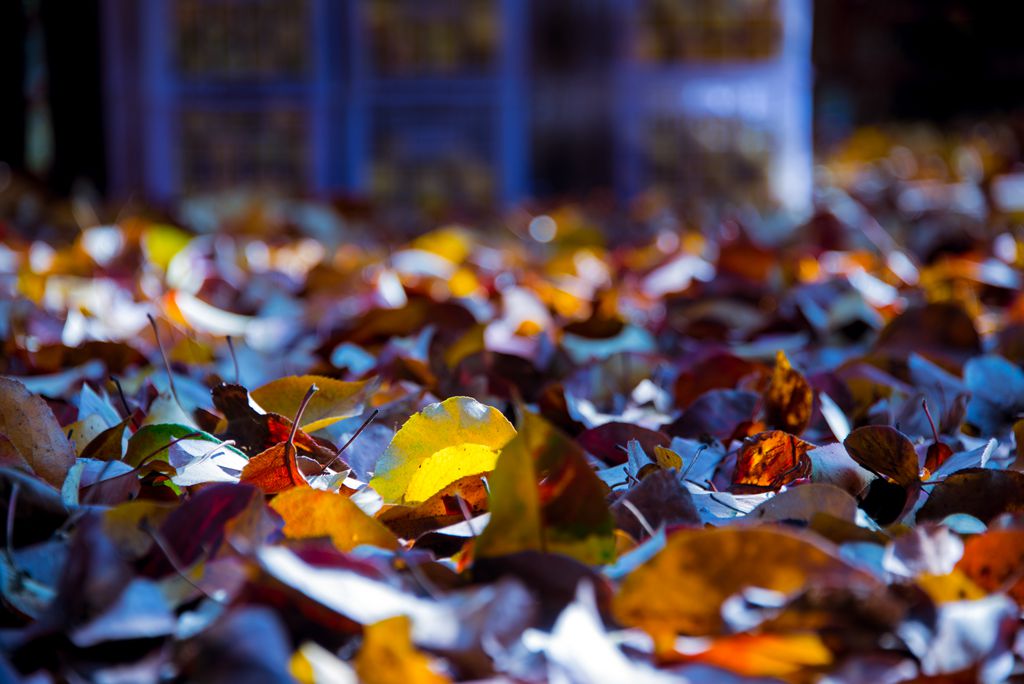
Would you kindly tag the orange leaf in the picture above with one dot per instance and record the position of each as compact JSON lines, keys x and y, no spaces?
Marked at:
{"x":788,"y":398}
{"x":772,"y":459}
{"x":309,"y":512}
{"x":681,"y":589}
{"x":995,"y":562}
{"x":766,"y":655}
{"x":274,"y":470}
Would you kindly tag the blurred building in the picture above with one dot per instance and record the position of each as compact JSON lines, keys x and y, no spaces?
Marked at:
{"x":468,"y":103}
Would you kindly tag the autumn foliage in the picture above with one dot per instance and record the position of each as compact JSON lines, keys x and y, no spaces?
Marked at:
{"x":272,"y":454}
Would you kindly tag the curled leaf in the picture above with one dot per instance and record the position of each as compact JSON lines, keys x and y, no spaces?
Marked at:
{"x":274,"y":470}
{"x":886,"y":451}
{"x":772,"y":459}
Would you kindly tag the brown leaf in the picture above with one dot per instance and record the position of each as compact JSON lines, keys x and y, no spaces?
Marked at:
{"x":254,"y":432}
{"x":721,"y":371}
{"x":440,"y":510}
{"x":607,"y":441}
{"x":980,"y":492}
{"x":27,"y":421}
{"x":772,"y":459}
{"x":788,"y":398}
{"x":941,"y":331}
{"x":661,"y":499}
{"x":886,"y":451}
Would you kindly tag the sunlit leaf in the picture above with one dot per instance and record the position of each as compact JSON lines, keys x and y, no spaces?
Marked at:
{"x":274,"y":470}
{"x":699,"y":569}
{"x":335,"y":400}
{"x":462,"y":433}
{"x":388,"y":656}
{"x":544,"y":496}
{"x":772,"y":459}
{"x":788,"y":399}
{"x":313,"y":513}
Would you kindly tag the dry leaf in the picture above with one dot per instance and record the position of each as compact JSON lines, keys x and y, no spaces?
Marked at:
{"x":29,"y":425}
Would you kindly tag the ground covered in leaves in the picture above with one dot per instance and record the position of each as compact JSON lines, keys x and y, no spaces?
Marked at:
{"x":266,"y":453}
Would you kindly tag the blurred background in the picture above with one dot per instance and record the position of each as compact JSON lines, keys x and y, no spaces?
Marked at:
{"x":432,"y":109}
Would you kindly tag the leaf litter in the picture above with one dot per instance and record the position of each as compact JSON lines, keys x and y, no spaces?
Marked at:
{"x":271,"y":457}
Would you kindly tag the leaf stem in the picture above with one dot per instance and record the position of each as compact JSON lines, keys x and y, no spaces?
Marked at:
{"x":350,"y":440}
{"x":167,"y":364}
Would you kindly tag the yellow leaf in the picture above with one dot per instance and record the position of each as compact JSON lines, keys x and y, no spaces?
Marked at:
{"x":314,"y":664}
{"x":699,"y":569}
{"x":123,"y":524}
{"x":311,"y":512}
{"x":667,"y":459}
{"x":956,"y":586}
{"x":546,"y":497}
{"x":448,"y":465}
{"x":453,"y":243}
{"x":463,"y":283}
{"x":389,"y":657}
{"x":162,"y":242}
{"x":471,"y":342}
{"x":335,"y":400}
{"x":455,"y":422}
{"x":83,"y":431}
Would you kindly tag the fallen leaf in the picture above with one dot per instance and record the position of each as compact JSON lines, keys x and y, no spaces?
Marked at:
{"x":766,"y":655}
{"x":544,"y":496}
{"x":721,"y":371}
{"x":802,"y":503}
{"x":274,"y":470}
{"x":659,"y":499}
{"x":994,"y":561}
{"x":253,"y":432}
{"x":772,"y":459}
{"x":981,"y":492}
{"x":788,"y":399}
{"x":886,"y":451}
{"x":440,"y":510}
{"x":718,"y":413}
{"x":608,"y":440}
{"x":699,"y":569}
{"x":29,"y":425}
{"x":389,"y":657}
{"x":313,"y":513}
{"x":440,"y":444}
{"x":335,"y":399}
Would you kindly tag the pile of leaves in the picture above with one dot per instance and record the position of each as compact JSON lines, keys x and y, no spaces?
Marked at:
{"x":231,"y":456}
